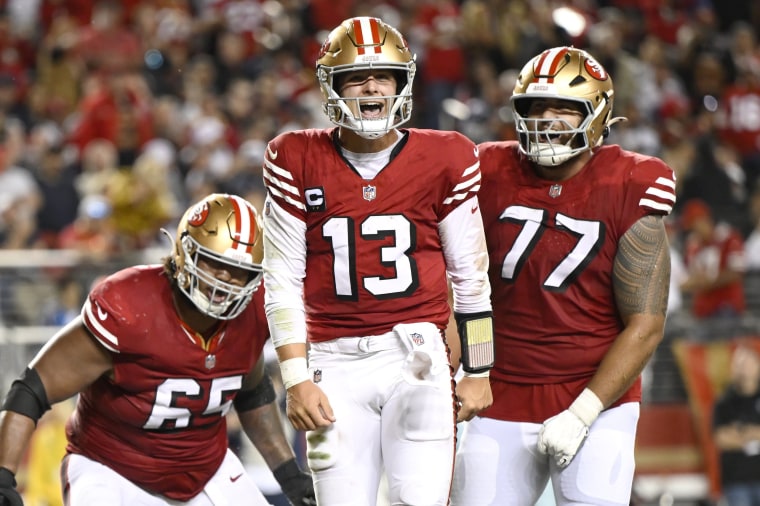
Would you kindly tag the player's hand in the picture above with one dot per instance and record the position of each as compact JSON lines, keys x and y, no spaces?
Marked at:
{"x":9,"y":496}
{"x":474,"y":395}
{"x":562,"y":435}
{"x":308,"y":407}
{"x":295,"y":484}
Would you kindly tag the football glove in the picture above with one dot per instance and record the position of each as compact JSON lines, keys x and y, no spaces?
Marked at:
{"x":9,"y":496}
{"x":562,"y":435}
{"x":295,"y":484}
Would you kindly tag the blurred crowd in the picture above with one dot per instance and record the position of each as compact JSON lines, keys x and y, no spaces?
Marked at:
{"x":115,"y":115}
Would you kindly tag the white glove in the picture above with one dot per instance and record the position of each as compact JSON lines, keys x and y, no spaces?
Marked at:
{"x":562,"y":435}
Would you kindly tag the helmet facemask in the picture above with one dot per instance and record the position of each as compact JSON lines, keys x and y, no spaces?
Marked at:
{"x":366,"y":44}
{"x":224,"y":232}
{"x":539,"y":136}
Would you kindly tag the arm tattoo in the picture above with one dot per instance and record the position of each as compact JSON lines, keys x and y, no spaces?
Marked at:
{"x":641,"y":273}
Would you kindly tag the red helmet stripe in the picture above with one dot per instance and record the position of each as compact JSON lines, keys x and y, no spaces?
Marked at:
{"x":548,"y":64}
{"x":367,"y":33}
{"x":244,"y":225}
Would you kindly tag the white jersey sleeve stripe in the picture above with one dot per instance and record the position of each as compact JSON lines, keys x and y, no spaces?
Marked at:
{"x":106,"y":338}
{"x":660,"y":206}
{"x":466,"y":184}
{"x":276,"y":178}
{"x":472,"y":168}
{"x":665,"y":195}
{"x":277,"y":193}
{"x":666,"y":182}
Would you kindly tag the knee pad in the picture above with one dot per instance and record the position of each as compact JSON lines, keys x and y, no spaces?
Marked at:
{"x":322,"y":448}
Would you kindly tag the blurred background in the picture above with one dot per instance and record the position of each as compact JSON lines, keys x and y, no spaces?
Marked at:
{"x":116,"y":115}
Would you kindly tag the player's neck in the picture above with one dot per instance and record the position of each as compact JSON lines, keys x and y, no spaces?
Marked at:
{"x":200,"y":323}
{"x":358,"y":144}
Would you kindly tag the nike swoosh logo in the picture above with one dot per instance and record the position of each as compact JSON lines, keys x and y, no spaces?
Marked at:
{"x":233,"y":479}
{"x":101,"y":314}
{"x":474,"y":208}
{"x":272,"y":154}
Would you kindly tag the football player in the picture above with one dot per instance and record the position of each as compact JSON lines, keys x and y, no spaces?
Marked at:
{"x":364,"y":225}
{"x":580,"y":269}
{"x":159,"y":356}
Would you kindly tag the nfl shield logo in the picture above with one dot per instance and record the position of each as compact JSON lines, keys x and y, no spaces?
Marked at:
{"x":369,"y":192}
{"x":417,"y":339}
{"x":210,"y":361}
{"x":317,"y":377}
{"x":555,"y":190}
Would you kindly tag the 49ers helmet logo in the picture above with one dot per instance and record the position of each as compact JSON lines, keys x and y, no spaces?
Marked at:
{"x":324,"y":49}
{"x":595,"y":69}
{"x":199,"y":215}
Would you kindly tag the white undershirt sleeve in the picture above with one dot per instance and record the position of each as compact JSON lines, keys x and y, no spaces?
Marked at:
{"x":464,"y":248}
{"x":284,"y":271}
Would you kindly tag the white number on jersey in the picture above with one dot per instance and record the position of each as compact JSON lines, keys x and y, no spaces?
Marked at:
{"x":165,"y":409}
{"x":341,"y":234}
{"x":590,"y":235}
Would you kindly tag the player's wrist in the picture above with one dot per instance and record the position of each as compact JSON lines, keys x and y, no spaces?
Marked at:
{"x":482,"y":374}
{"x":586,"y":407}
{"x":294,"y":371}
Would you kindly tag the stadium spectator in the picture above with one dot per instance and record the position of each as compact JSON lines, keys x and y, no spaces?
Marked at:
{"x":736,"y":428}
{"x":715,"y":259}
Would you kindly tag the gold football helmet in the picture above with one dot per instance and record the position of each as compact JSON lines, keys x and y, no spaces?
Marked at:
{"x":365,"y":43}
{"x":224,"y":230}
{"x":564,"y":73}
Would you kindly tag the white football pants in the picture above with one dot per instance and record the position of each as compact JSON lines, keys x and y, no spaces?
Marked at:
{"x":498,"y":463}
{"x":91,"y":483}
{"x":392,"y":396}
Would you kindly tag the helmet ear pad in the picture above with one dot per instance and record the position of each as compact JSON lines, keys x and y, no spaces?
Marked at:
{"x":178,"y":257}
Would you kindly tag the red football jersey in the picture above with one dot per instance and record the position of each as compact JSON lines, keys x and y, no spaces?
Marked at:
{"x":551,"y":251}
{"x":159,"y":422}
{"x":373,"y":250}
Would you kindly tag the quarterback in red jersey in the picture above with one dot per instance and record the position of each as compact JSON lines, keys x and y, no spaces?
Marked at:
{"x":159,"y":356}
{"x":579,"y":269}
{"x":365,"y":225}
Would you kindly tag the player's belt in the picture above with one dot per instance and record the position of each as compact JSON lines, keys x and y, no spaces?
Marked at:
{"x":359,"y":345}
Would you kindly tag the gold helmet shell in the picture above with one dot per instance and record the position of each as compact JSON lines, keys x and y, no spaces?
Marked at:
{"x":563,"y":73}
{"x":359,"y":44}
{"x":223,"y":230}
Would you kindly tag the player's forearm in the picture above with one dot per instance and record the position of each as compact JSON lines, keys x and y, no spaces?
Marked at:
{"x":264,"y":428}
{"x":15,"y":432}
{"x":627,"y":357}
{"x":641,"y":280}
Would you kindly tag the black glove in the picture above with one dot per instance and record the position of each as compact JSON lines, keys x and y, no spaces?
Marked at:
{"x":295,"y":484}
{"x":9,"y":496}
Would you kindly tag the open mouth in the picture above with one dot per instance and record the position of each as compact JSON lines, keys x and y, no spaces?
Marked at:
{"x":215,"y":296}
{"x":551,"y":136}
{"x":371,"y":109}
